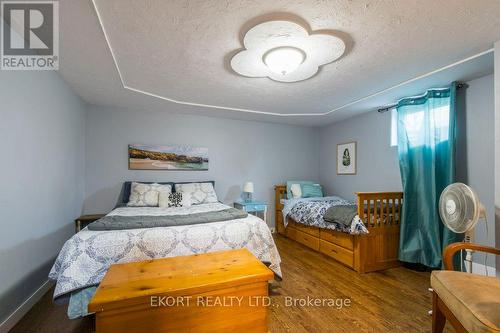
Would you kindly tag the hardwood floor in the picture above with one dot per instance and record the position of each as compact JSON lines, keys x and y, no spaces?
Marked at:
{"x":395,"y":300}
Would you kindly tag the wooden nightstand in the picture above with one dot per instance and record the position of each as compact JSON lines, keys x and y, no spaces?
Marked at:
{"x":85,"y":220}
{"x":253,"y":207}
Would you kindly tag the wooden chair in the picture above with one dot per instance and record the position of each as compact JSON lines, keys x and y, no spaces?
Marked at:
{"x":471,"y":303}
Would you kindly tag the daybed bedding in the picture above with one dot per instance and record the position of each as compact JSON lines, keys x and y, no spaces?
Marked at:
{"x":85,"y":257}
{"x":311,"y":212}
{"x":341,"y":214}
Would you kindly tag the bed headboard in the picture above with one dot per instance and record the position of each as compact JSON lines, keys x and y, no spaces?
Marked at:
{"x":125,"y":193}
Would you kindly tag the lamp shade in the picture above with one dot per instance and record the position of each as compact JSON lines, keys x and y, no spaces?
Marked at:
{"x":248,"y":187}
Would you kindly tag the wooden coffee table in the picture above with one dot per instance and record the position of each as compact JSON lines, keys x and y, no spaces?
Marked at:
{"x":215,"y":292}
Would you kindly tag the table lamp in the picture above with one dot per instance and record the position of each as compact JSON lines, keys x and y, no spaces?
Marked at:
{"x":248,"y":190}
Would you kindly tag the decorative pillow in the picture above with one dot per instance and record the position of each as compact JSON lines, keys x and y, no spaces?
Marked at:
{"x":291,"y":182}
{"x":186,"y":201}
{"x":198,"y":193}
{"x":163,"y":200}
{"x":146,"y":195}
{"x":311,"y":190}
{"x":296,"y":191}
{"x":173,"y":200}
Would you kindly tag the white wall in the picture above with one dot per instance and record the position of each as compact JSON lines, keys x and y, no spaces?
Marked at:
{"x":378,"y":166}
{"x":239,"y":151}
{"x":41,"y":178}
{"x":377,"y":161}
{"x":475,"y":166}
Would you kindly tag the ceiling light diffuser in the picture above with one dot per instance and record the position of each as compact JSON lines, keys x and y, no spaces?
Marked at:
{"x":285,"y":51}
{"x":284,"y":60}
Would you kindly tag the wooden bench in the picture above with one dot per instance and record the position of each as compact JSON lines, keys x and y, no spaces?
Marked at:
{"x":215,"y":292}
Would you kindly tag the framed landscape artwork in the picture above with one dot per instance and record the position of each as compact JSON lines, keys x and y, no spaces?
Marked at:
{"x":346,"y":158}
{"x":167,"y":157}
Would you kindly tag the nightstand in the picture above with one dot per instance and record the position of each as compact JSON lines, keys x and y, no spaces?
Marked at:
{"x":85,"y":220}
{"x":253,"y":207}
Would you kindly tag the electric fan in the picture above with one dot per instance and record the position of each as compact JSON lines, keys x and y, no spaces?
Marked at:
{"x":460,"y":210}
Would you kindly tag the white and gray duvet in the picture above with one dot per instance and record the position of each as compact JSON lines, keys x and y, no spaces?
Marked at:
{"x":85,"y":257}
{"x":311,"y":212}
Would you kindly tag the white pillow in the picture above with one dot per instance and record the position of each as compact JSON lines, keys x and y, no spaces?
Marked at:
{"x":186,"y":201}
{"x":164,"y":200}
{"x":296,"y":191}
{"x":197,"y":193}
{"x":146,"y":195}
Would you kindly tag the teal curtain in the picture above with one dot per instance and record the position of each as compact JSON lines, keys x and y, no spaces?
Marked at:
{"x":426,"y":148}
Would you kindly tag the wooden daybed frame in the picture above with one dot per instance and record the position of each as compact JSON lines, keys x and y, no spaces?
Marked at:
{"x":378,"y":250}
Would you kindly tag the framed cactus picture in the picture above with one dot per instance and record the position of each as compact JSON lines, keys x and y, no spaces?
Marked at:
{"x":346,"y":158}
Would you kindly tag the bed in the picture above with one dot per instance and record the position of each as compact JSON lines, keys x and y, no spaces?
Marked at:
{"x":87,"y":255}
{"x":369,"y":244}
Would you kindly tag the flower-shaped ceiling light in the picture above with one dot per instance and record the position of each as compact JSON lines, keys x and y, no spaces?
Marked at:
{"x":284,"y":51}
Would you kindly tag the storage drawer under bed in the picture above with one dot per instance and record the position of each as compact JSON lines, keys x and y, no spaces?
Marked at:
{"x":338,"y":238}
{"x":335,"y":237}
{"x":337,"y":252}
{"x":307,"y":240}
{"x":313,"y":231}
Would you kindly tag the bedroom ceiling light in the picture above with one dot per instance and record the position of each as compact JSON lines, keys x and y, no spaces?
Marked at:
{"x":284,"y":60}
{"x":285,"y":51}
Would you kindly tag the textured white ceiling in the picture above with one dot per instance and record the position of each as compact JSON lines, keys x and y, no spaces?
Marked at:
{"x":181,"y":50}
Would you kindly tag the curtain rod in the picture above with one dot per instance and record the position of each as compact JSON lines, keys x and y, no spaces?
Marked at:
{"x":392,"y":106}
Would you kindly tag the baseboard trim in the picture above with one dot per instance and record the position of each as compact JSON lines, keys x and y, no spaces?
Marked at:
{"x":18,"y":313}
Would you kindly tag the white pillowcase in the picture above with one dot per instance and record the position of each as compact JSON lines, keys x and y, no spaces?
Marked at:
{"x":197,"y":193}
{"x":296,"y":191}
{"x":147,"y":195}
{"x":164,"y":201}
{"x":186,"y":201}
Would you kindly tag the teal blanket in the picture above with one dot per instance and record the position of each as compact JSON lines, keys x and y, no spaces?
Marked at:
{"x":120,"y":222}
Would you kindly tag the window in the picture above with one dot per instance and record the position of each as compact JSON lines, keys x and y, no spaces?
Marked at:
{"x":415,"y":123}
